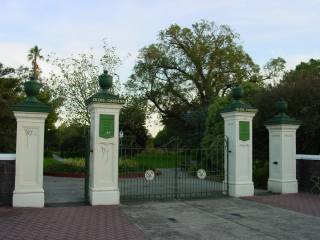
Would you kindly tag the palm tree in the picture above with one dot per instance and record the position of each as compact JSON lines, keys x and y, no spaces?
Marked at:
{"x":33,"y":56}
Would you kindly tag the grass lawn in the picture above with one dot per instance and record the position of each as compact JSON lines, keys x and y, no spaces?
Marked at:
{"x":71,"y":165}
{"x":128,"y":162}
{"x":148,"y":159}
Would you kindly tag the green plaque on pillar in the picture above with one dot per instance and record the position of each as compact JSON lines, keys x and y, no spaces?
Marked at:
{"x":106,"y":126}
{"x":244,"y":130}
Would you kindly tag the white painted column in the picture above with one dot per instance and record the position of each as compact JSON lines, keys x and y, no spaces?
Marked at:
{"x":240,"y":153}
{"x":282,"y":151}
{"x":28,"y":190}
{"x":103,"y":180}
{"x":282,"y":158}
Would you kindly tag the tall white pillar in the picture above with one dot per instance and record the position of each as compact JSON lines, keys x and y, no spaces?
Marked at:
{"x":238,"y":129}
{"x":282,"y":151}
{"x":30,"y":115}
{"x":104,"y":109}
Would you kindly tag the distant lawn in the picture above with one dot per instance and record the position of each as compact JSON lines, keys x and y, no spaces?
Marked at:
{"x":71,"y":165}
{"x":128,"y":162}
{"x":148,"y":159}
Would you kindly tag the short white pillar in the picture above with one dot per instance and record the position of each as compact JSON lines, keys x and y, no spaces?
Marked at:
{"x":28,"y":190}
{"x":282,"y":152}
{"x":238,"y":129}
{"x":104,"y":109}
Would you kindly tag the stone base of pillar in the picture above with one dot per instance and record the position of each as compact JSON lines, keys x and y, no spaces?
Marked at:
{"x":28,"y":199}
{"x":241,"y":189}
{"x":104,"y":197}
{"x":279,"y":186}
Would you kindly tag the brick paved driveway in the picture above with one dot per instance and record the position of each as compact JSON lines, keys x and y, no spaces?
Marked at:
{"x":85,"y":222}
{"x":298,"y":202}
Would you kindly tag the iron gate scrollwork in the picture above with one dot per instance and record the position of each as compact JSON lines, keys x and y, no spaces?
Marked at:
{"x":173,"y":172}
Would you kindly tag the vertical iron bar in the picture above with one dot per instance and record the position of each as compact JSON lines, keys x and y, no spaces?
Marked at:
{"x":227,"y":158}
{"x":176,"y":173}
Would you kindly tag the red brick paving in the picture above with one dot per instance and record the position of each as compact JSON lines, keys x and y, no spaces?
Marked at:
{"x":299,"y":202}
{"x":86,"y":222}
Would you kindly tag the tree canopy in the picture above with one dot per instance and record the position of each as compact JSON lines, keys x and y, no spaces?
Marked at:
{"x":191,"y":67}
{"x":75,"y":79}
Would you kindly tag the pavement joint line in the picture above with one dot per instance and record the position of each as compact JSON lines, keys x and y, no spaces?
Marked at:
{"x":230,"y":220}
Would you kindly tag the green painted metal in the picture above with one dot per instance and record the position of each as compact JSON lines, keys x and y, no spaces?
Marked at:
{"x":236,"y":104}
{"x":179,"y":173}
{"x":31,"y":103}
{"x":104,"y":95}
{"x":282,"y":117}
{"x":244,"y":130}
{"x":106,"y":126}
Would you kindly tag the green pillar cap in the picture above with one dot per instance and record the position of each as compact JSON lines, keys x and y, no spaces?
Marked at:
{"x":31,"y":103}
{"x":282,"y":117}
{"x":104,"y":95}
{"x":237,"y":105}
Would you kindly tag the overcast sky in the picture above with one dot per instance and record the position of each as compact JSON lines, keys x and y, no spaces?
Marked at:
{"x":268,"y":29}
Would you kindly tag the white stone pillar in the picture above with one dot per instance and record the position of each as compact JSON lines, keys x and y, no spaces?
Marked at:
{"x":28,"y":190}
{"x":103,"y":180}
{"x":104,"y":109}
{"x":238,"y":129}
{"x":31,"y":115}
{"x":282,"y":152}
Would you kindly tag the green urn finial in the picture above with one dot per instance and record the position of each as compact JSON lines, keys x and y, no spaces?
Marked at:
{"x":281,"y":106}
{"x":104,"y":95}
{"x":282,"y":117}
{"x":237,"y":92}
{"x":31,"y":103}
{"x":236,"y":103}
{"x":32,"y":88}
{"x":105,"y":81}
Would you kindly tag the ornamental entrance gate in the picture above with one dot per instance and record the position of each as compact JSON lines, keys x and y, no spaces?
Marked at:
{"x":172,"y":172}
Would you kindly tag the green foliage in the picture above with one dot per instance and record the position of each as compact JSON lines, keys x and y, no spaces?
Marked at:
{"x":10,"y":94}
{"x":189,"y":68}
{"x":51,"y":138}
{"x":274,"y":70}
{"x":72,"y":140}
{"x":260,"y":173}
{"x":163,"y":137}
{"x":127,"y":165}
{"x":214,"y":123}
{"x":75,"y":79}
{"x":301,"y":89}
{"x":133,"y":120}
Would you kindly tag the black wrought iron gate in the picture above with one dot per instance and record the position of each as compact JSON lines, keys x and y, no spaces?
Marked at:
{"x":173,"y":173}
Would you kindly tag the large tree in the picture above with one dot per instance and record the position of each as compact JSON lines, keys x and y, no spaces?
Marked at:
{"x":75,"y":79}
{"x":188,"y":68}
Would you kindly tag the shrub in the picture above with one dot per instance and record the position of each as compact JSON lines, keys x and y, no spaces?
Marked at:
{"x":260,"y":173}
